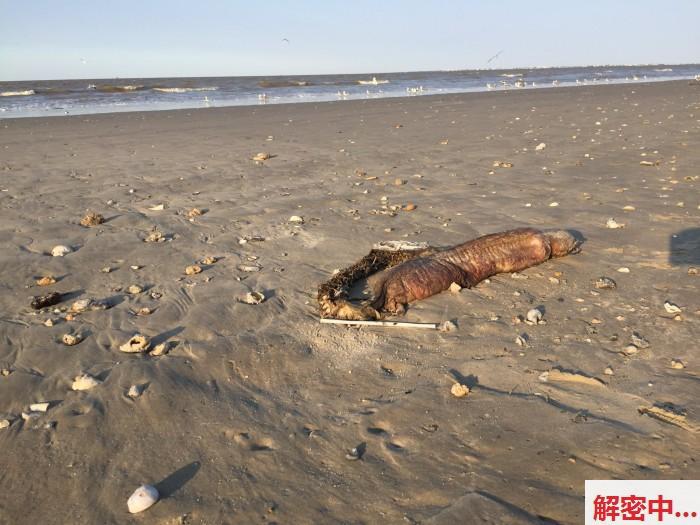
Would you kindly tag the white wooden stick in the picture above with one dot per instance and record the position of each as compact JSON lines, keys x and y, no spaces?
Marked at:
{"x":399,"y":324}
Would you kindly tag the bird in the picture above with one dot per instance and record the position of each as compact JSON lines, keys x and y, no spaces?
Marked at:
{"x":494,"y":57}
{"x":285,"y":40}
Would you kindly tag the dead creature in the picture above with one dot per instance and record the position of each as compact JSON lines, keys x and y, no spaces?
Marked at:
{"x":417,"y":273}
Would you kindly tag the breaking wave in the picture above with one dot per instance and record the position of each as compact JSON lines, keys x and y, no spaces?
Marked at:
{"x":22,"y":93}
{"x":184,"y":90}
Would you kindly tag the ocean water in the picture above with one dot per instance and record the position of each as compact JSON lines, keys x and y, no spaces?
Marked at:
{"x":76,"y":97}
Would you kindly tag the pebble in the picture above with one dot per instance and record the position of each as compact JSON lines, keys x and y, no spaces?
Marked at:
{"x":540,"y":146}
{"x":410,"y":207}
{"x":154,"y":236}
{"x":209,"y":260}
{"x":296,"y":219}
{"x":521,"y":340}
{"x":459,"y":390}
{"x":194,"y":212}
{"x":70,"y":339}
{"x":4,"y":423}
{"x":672,"y":308}
{"x":84,"y":382}
{"x":81,"y":305}
{"x":193,"y":269}
{"x":629,"y":208}
{"x":60,"y":250}
{"x":693,"y":271}
{"x":259,"y":157}
{"x":605,"y":283}
{"x":630,"y":350}
{"x":677,"y":364}
{"x":248,"y":268}
{"x":613,"y":224}
{"x":553,"y":204}
{"x":160,"y":349}
{"x":39,"y":407}
{"x":534,"y":316}
{"x":609,"y":371}
{"x":138,"y":343}
{"x":134,"y":289}
{"x":46,"y":281}
{"x":623,"y":269}
{"x":143,"y":498}
{"x":42,"y":301}
{"x":355,"y":453}
{"x":106,"y":269}
{"x":455,"y":288}
{"x":135,"y":391}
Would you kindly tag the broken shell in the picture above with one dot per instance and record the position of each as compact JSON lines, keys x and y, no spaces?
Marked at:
{"x":609,"y":371}
{"x":106,"y":269}
{"x":455,"y":288}
{"x":81,"y":305}
{"x":534,"y":316}
{"x":157,"y":207}
{"x":605,"y":283}
{"x":42,"y":301}
{"x":296,"y":219}
{"x":194,"y":269}
{"x":194,"y":212}
{"x":138,"y":343}
{"x":672,"y":308}
{"x":91,"y":219}
{"x":39,"y":407}
{"x":4,"y":423}
{"x":501,"y":164}
{"x":154,"y":236}
{"x":613,"y":224}
{"x":60,"y":250}
{"x":143,"y":498}
{"x":448,"y":326}
{"x":540,"y":146}
{"x":248,"y":268}
{"x":209,"y":260}
{"x":160,"y":349}
{"x":677,"y":364}
{"x":629,"y":208}
{"x":261,"y":156}
{"x":253,"y":298}
{"x":623,"y":269}
{"x":70,"y":339}
{"x":135,"y":391}
{"x":630,"y":350}
{"x":46,"y":281}
{"x":639,"y":340}
{"x":144,"y":311}
{"x":458,"y":390}
{"x":85,"y":382}
{"x":134,"y":289}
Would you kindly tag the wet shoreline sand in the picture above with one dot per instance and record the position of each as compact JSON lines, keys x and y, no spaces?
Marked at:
{"x":250,"y":414}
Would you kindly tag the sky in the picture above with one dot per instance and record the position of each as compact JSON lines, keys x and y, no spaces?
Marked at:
{"x":54,"y":39}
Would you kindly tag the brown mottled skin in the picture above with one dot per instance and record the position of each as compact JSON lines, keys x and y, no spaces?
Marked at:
{"x":468,"y":264}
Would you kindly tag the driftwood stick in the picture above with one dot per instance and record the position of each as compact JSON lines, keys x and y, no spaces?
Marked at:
{"x":398,"y":324}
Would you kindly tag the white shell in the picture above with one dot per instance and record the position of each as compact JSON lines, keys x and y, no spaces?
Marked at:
{"x":60,"y":250}
{"x":672,"y":308}
{"x":39,"y":407}
{"x":253,"y":298}
{"x":540,"y":146}
{"x":534,"y":315}
{"x":135,"y":391}
{"x":80,"y":305}
{"x":613,"y":224}
{"x":143,"y":497}
{"x":296,"y":219}
{"x":138,"y":343}
{"x":85,"y":382}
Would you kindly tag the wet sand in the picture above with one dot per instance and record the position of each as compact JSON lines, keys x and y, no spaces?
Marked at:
{"x":249,"y":415}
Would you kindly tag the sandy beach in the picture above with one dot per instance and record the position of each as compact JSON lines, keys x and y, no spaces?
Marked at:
{"x":249,"y":413}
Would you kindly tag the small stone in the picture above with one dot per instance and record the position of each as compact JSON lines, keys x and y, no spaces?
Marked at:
{"x":5,"y":372}
{"x":135,"y":267}
{"x":138,"y":343}
{"x":458,"y":390}
{"x":605,"y":283}
{"x":46,"y":281}
{"x":85,"y":382}
{"x":60,"y":250}
{"x":81,"y":305}
{"x":540,"y":146}
{"x":42,"y":301}
{"x":553,"y":204}
{"x":48,"y":322}
{"x":160,"y":349}
{"x":613,"y":224}
{"x":296,"y":219}
{"x":209,"y":260}
{"x":410,"y":207}
{"x":629,"y":208}
{"x":248,"y":268}
{"x":630,"y":350}
{"x":4,"y":423}
{"x":70,"y":339}
{"x":144,"y":311}
{"x":623,"y":269}
{"x":39,"y":407}
{"x":677,"y":364}
{"x":262,"y":156}
{"x":253,"y":298}
{"x":134,"y":289}
{"x":609,"y":371}
{"x":194,"y":269}
{"x":534,"y":316}
{"x":135,"y":391}
{"x":106,"y":269}
{"x":521,"y":340}
{"x":154,"y":236}
{"x":672,"y":308}
{"x":143,"y":498}
{"x":501,"y":164}
{"x":399,"y":182}
{"x":455,"y":288}
{"x":693,"y":271}
{"x":91,"y":219}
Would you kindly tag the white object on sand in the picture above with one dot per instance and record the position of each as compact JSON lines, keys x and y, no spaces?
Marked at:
{"x":143,"y":498}
{"x":398,"y":324}
{"x":672,"y":308}
{"x":85,"y":382}
{"x":613,"y":224}
{"x":39,"y":407}
{"x":540,"y":146}
{"x":60,"y":250}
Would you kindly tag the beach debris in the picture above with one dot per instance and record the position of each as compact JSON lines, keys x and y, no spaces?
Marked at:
{"x":209,"y":260}
{"x":259,"y":157}
{"x":396,"y":324}
{"x":677,"y":364}
{"x":46,"y":280}
{"x":447,"y":326}
{"x":605,"y":283}
{"x":157,"y":207}
{"x":296,"y":219}
{"x":39,"y":407}
{"x":553,"y":204}
{"x":459,"y":390}
{"x":522,"y":340}
{"x":135,"y":391}
{"x":48,"y":322}
{"x":640,"y":341}
{"x":85,"y":382}
{"x":81,"y":305}
{"x":42,"y":301}
{"x":670,"y":414}
{"x":193,"y":269}
{"x":630,"y":350}
{"x":154,"y":235}
{"x":534,"y":316}
{"x":144,"y":310}
{"x":194,"y":212}
{"x":693,"y":271}
{"x":409,"y":207}
{"x":160,"y":349}
{"x":253,"y":298}
{"x":629,"y":208}
{"x":609,"y":371}
{"x":612,"y":224}
{"x":357,"y":452}
{"x":672,"y":308}
{"x":623,"y":269}
{"x":649,"y":163}
{"x":143,"y":498}
{"x":4,"y":423}
{"x":106,"y":269}
{"x":91,"y":219}
{"x":455,"y":288}
{"x":249,"y":268}
{"x":60,"y":250}
{"x":568,"y":377}
{"x":540,"y":146}
{"x":137,"y":343}
{"x":134,"y":289}
{"x":71,"y":339}
{"x":501,"y":164}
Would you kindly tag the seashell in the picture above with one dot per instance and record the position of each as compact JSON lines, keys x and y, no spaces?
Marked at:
{"x":5,"y":372}
{"x":209,"y":260}
{"x":70,"y":339}
{"x":42,"y":301}
{"x":630,"y":350}
{"x":160,"y":349}
{"x":296,"y":219}
{"x":4,"y":423}
{"x":194,"y":269}
{"x":157,"y":207}
{"x":455,"y":288}
{"x":143,"y":498}
{"x":106,"y":269}
{"x":623,"y":269}
{"x":154,"y":236}
{"x":648,"y":163}
{"x":46,"y":281}
{"x":629,"y":208}
{"x":137,"y":343}
{"x":60,"y":250}
{"x":693,"y":271}
{"x":613,"y":224}
{"x":253,"y":298}
{"x":135,"y":391}
{"x":134,"y":289}
{"x":194,"y":212}
{"x":248,"y":268}
{"x":39,"y":407}
{"x":672,"y":308}
{"x":553,"y":204}
{"x":605,"y":283}
{"x":540,"y":146}
{"x":259,"y":157}
{"x":609,"y":371}
{"x":85,"y":382}
{"x":410,"y":207}
{"x":534,"y":316}
{"x":458,"y":390}
{"x":144,"y":311}
{"x":91,"y":219}
{"x":677,"y":364}
{"x":81,"y":305}
{"x":521,"y":340}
